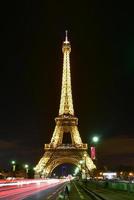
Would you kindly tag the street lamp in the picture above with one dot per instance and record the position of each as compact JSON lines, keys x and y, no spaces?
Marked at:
{"x":95,"y":139}
{"x":81,"y":163}
{"x":26,"y":168}
{"x":85,"y":169}
{"x":13,"y":167}
{"x":76,"y":170}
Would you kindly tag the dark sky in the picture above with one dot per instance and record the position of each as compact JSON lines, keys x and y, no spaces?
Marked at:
{"x":102,"y":67}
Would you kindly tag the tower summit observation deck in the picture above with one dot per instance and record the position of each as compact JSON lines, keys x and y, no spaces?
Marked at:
{"x":57,"y":152}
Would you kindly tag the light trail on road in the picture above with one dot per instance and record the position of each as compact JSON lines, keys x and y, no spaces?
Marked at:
{"x":22,"y":189}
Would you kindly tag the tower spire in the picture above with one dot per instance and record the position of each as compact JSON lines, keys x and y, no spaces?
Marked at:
{"x":66,"y":102}
{"x":66,"y":39}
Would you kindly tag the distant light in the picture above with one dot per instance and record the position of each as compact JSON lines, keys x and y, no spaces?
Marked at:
{"x":26,"y":166}
{"x":13,"y":162}
{"x":81,"y":161}
{"x":95,"y":139}
{"x":110,"y":175}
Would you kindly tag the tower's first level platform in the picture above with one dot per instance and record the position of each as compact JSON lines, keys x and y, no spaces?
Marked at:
{"x":50,"y":146}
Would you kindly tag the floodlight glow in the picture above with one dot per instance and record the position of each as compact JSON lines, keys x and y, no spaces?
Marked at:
{"x":95,"y":139}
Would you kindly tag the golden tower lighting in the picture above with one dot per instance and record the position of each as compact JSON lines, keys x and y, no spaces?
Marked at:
{"x":56,"y":152}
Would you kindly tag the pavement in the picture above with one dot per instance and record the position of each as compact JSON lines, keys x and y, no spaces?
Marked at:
{"x":75,"y":193}
{"x":109,"y":194}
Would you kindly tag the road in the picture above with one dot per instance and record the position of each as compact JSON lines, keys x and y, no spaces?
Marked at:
{"x":54,"y":189}
{"x":51,"y":189}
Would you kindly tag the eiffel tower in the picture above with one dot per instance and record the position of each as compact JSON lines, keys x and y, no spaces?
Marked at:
{"x":57,"y":152}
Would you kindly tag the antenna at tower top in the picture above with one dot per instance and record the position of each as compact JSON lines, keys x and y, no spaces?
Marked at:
{"x":66,"y":39}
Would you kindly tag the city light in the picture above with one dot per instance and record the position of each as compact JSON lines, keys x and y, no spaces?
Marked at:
{"x":26,"y":166}
{"x":13,"y":162}
{"x":81,"y":161}
{"x":95,"y":139}
{"x":13,"y":165}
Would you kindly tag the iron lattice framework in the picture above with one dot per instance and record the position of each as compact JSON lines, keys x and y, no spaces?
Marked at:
{"x":56,"y":152}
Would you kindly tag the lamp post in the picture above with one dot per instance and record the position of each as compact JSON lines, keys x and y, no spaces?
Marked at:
{"x":81,"y":162}
{"x":26,"y":168}
{"x":94,"y":142}
{"x":85,"y":156}
{"x":13,"y":167}
{"x":77,"y":169}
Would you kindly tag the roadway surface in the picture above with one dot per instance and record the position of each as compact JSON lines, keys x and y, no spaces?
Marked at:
{"x":54,"y":189}
{"x":47,"y":190}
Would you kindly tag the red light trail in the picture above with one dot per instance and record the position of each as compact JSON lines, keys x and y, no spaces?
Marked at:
{"x":22,"y":189}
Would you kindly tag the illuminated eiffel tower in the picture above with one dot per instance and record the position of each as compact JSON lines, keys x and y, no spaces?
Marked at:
{"x":57,"y":152}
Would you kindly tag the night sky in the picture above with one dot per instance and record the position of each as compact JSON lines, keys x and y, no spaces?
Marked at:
{"x":102,"y":66}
